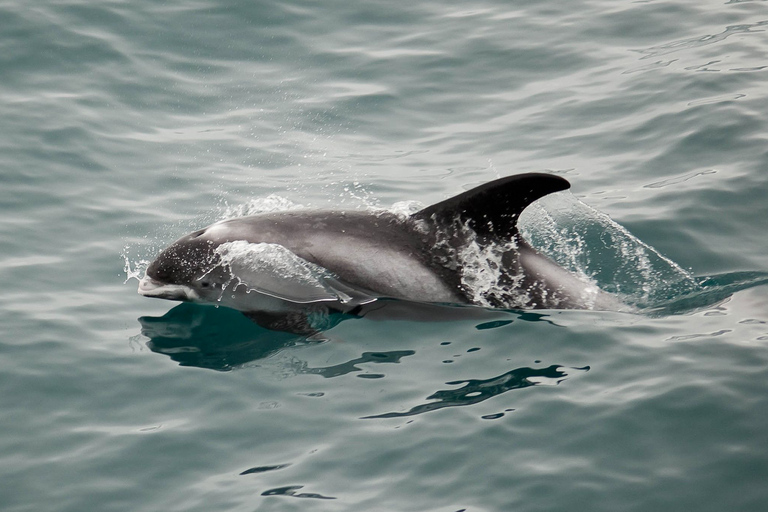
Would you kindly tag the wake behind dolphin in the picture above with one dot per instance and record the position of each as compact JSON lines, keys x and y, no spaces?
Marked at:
{"x":284,"y":269}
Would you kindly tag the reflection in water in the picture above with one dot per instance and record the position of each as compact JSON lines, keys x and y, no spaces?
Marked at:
{"x":475,"y":390}
{"x":263,"y":469}
{"x":220,"y":338}
{"x":209,"y":337}
{"x":337,"y":370}
{"x":291,"y":491}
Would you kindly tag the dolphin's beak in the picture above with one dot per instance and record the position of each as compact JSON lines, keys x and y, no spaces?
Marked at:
{"x":149,"y":287}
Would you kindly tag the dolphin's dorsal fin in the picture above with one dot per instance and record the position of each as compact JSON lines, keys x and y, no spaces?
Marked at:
{"x":492,"y":209}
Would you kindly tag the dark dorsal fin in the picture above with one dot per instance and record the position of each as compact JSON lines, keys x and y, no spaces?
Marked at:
{"x":493,"y":208}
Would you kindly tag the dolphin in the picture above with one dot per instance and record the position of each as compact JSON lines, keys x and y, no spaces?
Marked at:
{"x":287,"y":269}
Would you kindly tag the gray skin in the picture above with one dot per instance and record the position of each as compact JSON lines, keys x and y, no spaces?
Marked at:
{"x":361,"y":257}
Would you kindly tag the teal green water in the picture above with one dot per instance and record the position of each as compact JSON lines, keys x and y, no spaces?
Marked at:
{"x":124,"y":125}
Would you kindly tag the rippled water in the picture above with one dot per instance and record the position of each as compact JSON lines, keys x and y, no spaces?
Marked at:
{"x":124,"y":125}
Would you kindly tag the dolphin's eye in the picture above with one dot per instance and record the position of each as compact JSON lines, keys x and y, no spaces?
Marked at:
{"x":205,"y":284}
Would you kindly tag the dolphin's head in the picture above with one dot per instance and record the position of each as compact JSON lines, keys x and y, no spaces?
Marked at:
{"x":189,"y":270}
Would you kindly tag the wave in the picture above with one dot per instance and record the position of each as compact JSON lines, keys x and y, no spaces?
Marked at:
{"x":590,"y":244}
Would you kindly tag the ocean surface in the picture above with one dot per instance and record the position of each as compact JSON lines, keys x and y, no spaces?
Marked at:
{"x":125,"y":125}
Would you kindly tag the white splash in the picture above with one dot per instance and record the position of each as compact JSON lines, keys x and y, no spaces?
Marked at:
{"x":483,"y":278}
{"x":482,"y":268}
{"x":405,"y":209}
{"x":134,"y":270}
{"x":590,"y":244}
{"x":270,"y":204}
